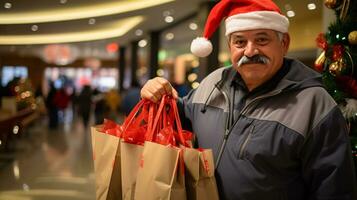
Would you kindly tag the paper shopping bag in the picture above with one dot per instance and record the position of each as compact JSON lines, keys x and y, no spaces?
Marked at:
{"x":134,"y":133}
{"x":161,"y":173}
{"x":131,"y":155}
{"x":200,"y":179}
{"x":107,"y":168}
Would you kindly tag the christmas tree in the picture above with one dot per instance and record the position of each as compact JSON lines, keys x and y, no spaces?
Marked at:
{"x":338,"y":62}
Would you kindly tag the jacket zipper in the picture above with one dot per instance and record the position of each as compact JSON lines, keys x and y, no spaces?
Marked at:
{"x":226,"y":132}
{"x":229,"y":130}
{"x":242,"y":148}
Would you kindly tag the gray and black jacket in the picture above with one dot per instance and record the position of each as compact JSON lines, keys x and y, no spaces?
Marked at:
{"x":286,"y":141}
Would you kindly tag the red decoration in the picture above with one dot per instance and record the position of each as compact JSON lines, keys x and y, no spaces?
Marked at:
{"x":319,"y":67}
{"x":321,"y":41}
{"x":112,"y":47}
{"x":348,"y":85}
{"x":338,"y":50}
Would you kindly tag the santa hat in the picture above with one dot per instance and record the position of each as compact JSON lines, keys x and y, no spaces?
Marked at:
{"x":241,"y":15}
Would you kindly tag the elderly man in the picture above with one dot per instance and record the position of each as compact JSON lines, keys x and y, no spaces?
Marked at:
{"x":275,"y":132}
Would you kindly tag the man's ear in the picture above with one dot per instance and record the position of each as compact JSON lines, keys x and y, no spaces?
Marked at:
{"x":286,"y":42}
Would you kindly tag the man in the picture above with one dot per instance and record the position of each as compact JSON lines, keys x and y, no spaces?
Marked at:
{"x":275,"y":132}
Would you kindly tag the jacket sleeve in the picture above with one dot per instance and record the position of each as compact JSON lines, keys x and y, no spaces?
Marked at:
{"x":185,"y":108}
{"x":327,"y":160}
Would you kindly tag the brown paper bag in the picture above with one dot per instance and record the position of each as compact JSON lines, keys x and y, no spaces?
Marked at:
{"x":130,"y":159}
{"x":199,"y":171}
{"x":160,"y":174}
{"x":107,"y":167}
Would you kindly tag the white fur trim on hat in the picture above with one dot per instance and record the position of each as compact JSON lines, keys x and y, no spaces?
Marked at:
{"x":201,"y":47}
{"x":257,"y":20}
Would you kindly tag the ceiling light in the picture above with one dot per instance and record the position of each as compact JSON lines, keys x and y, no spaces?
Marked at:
{"x":81,"y":12}
{"x":192,"y":77}
{"x":34,"y":27}
{"x":142,"y":43}
{"x":112,"y":30}
{"x":290,"y":13}
{"x":160,"y":72}
{"x":169,"y":19}
{"x":139,"y":32}
{"x":63,"y":1}
{"x":195,"y":85}
{"x":91,"y":21}
{"x":169,"y":36}
{"x":311,"y":6}
{"x":7,"y":5}
{"x":193,"y":26}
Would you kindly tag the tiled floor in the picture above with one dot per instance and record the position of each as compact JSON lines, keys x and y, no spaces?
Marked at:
{"x":49,"y":164}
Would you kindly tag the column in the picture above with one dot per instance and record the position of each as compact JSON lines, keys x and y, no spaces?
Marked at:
{"x":154,"y":52}
{"x":121,"y":67}
{"x":134,"y":61}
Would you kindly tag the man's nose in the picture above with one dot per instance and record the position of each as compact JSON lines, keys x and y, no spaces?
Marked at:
{"x":250,"y":50}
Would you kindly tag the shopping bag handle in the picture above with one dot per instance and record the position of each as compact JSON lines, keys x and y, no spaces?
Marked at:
{"x":167,"y":100}
{"x":178,"y":122}
{"x":144,"y":105}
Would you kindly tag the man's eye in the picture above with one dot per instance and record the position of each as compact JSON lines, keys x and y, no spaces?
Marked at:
{"x":239,"y":43}
{"x":262,"y":40}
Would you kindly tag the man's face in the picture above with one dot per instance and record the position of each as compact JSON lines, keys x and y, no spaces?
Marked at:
{"x":261,"y":42}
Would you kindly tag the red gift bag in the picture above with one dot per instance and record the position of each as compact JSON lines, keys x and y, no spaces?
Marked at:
{"x":134,"y":132}
{"x":161,"y":173}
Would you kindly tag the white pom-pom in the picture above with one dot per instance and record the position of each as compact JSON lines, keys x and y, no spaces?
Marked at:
{"x":201,"y":47}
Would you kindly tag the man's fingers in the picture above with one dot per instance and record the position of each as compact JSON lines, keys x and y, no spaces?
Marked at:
{"x":174,"y":94}
{"x":166,"y":85}
{"x":155,"y":88}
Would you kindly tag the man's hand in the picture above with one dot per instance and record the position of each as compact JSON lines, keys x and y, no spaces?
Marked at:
{"x":155,"y":88}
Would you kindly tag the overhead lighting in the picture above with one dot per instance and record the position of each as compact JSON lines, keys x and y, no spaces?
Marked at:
{"x":139,"y":32}
{"x":81,"y":12}
{"x":63,"y":1}
{"x":169,"y":19}
{"x":193,"y":26}
{"x":192,"y":77}
{"x":112,"y":30}
{"x":160,"y":72}
{"x":7,"y":5}
{"x":290,"y":13}
{"x":142,"y":43}
{"x":91,"y":21}
{"x":195,"y":85}
{"x":311,"y":6}
{"x":34,"y":28}
{"x":169,"y":36}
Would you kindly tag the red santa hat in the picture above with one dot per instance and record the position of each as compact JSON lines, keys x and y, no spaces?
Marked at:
{"x":241,"y":15}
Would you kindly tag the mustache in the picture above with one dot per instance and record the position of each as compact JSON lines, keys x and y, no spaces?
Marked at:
{"x":256,"y":59}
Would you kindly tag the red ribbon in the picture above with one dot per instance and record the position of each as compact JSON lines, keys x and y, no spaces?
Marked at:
{"x":321,"y":41}
{"x":337,"y":52}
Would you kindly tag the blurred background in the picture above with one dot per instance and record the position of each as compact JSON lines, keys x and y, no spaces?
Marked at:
{"x":65,"y":65}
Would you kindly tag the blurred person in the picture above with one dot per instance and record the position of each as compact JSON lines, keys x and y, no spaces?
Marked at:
{"x":61,"y":100}
{"x":52,"y":109}
{"x":112,"y":100}
{"x":131,"y":98}
{"x":100,"y":107}
{"x":84,"y":103}
{"x":275,"y":131}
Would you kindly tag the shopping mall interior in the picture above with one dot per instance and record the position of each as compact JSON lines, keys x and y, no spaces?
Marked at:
{"x":62,"y":60}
